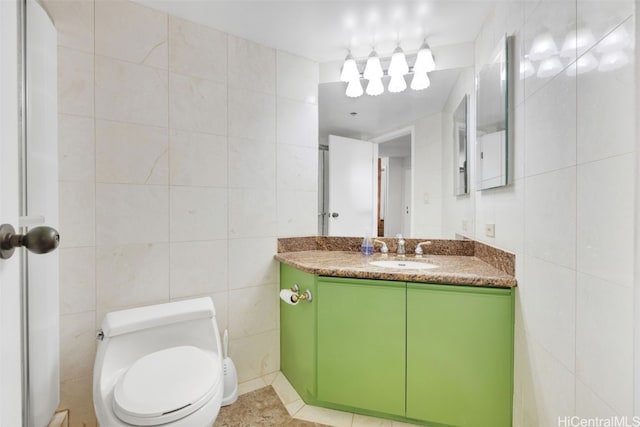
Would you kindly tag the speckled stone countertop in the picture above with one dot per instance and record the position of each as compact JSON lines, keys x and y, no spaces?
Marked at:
{"x":452,"y":269}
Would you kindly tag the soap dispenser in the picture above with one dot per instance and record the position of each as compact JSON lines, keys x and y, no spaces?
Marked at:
{"x":367,"y":245}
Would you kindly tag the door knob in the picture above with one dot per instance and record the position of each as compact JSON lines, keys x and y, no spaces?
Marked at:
{"x":39,"y":240}
{"x":335,"y":215}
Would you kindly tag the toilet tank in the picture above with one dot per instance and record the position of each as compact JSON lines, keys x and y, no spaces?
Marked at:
{"x":131,"y":334}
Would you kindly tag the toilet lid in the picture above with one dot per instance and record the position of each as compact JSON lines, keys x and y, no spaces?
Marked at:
{"x":166,"y":385}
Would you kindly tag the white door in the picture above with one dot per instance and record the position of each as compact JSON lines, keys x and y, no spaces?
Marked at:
{"x":353,"y":187}
{"x":10,"y":366}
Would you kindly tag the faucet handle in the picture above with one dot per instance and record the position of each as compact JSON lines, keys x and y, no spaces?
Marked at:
{"x":419,"y":250}
{"x":384,"y":249}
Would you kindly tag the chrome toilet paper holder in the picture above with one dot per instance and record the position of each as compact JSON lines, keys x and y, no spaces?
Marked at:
{"x":305,"y":296}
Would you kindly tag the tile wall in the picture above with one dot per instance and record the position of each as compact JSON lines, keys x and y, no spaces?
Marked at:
{"x":183,"y":153}
{"x":569,"y":213}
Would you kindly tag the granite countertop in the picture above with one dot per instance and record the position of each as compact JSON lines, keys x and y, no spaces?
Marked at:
{"x":452,"y":269}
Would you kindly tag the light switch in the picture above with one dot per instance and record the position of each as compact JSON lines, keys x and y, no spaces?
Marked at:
{"x":490,"y":230}
{"x":426,"y":198}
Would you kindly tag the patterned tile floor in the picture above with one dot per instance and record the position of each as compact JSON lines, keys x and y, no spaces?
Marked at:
{"x":261,"y":405}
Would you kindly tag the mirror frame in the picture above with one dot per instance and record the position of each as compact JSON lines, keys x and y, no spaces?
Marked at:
{"x":461,"y":187}
{"x":498,"y":155}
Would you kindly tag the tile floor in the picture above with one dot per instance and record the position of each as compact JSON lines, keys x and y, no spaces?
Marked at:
{"x":301,"y":411}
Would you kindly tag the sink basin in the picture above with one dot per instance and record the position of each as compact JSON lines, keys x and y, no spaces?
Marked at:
{"x":405,"y":265}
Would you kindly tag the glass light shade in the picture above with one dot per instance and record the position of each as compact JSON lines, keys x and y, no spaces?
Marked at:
{"x":349,"y":70}
{"x":580,"y":40}
{"x":354,"y":89}
{"x":526,"y":69}
{"x":420,"y":81}
{"x":375,"y":87}
{"x":542,"y":47}
{"x":373,"y":69}
{"x":424,"y":60}
{"x":398,"y":65}
{"x":585,"y":63}
{"x":397,"y":84}
{"x":617,"y":40}
{"x":613,"y":61}
{"x":549,"y":67}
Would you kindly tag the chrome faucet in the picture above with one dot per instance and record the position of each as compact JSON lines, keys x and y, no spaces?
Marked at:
{"x":401,"y":245}
{"x":419,"y":250}
{"x":384,"y":249}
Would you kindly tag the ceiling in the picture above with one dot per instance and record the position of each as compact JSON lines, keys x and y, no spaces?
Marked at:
{"x":323,"y":30}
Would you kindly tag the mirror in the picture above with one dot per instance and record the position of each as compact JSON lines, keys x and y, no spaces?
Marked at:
{"x":492,"y":124}
{"x":460,"y":140}
{"x":409,"y":140}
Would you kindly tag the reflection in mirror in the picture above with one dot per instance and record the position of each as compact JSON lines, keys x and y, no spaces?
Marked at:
{"x":492,"y":128}
{"x":460,"y":129}
{"x":404,"y":174}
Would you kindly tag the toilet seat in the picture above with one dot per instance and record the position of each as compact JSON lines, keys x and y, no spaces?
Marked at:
{"x":166,"y":385}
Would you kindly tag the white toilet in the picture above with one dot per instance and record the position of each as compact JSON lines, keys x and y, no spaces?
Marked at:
{"x":159,"y":365}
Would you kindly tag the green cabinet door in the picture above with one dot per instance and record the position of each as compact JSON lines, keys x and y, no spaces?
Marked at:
{"x":297,"y":333}
{"x":460,"y":355}
{"x":361,"y":344}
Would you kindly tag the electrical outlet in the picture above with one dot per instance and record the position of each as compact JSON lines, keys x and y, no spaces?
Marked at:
{"x":490,"y":230}
{"x":465,"y":225}
{"x":425,"y":198}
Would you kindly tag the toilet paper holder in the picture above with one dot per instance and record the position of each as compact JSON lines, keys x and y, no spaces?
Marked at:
{"x":305,"y":296}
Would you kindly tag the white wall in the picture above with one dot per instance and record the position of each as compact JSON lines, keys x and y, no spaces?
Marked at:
{"x":458,"y":212}
{"x":184,"y":151}
{"x":569,"y":216}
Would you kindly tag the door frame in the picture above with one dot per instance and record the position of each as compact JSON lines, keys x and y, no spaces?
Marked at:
{"x":11,"y":111}
{"x":407,"y":130}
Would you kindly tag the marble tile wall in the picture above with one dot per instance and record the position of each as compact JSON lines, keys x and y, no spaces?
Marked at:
{"x":569,"y":213}
{"x":184,"y":152}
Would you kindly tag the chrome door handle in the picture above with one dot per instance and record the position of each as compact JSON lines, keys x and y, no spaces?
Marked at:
{"x":335,"y":215}
{"x":39,"y":240}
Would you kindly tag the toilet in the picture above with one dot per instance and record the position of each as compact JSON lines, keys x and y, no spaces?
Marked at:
{"x":159,"y":365}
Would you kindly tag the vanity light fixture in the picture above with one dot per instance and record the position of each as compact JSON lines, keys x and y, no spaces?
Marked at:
{"x":549,"y":67}
{"x":397,"y":84}
{"x":584,"y":64}
{"x":613,"y":61}
{"x":543,"y":47}
{"x":349,"y":69}
{"x":581,"y":40}
{"x":398,"y":66}
{"x":420,"y":81}
{"x":397,"y":70}
{"x":424,"y":60}
{"x":354,"y":89}
{"x":375,"y":87}
{"x":373,"y":69}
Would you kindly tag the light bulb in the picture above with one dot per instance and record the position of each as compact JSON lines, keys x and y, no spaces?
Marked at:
{"x":424,"y":60}
{"x":349,"y":69}
{"x":526,"y":69}
{"x":617,"y":40}
{"x":398,"y":65}
{"x":375,"y":87}
{"x":397,"y":84}
{"x":373,"y":69}
{"x":542,"y":47}
{"x":549,"y":67}
{"x":420,"y":81}
{"x":580,"y":40}
{"x":613,"y":61}
{"x":354,"y":89}
{"x":584,"y":64}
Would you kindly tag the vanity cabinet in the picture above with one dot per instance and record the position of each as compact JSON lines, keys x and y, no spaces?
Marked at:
{"x":459,"y":354}
{"x":297,"y":334}
{"x":423,"y":353}
{"x":361,"y":344}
